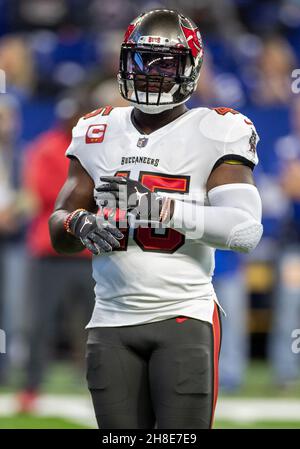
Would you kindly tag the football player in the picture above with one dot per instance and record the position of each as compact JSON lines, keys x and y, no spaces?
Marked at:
{"x":153,"y":189}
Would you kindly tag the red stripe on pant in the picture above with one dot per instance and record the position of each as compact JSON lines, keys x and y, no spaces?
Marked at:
{"x":216,"y":328}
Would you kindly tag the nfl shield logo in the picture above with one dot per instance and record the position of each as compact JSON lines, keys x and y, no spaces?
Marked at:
{"x":142,"y":142}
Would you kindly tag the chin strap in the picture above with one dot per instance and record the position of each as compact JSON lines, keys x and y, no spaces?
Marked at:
{"x":165,"y":101}
{"x":152,"y":109}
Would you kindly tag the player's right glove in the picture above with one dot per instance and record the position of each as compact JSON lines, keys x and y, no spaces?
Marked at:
{"x":133,"y":196}
{"x":96,"y":235}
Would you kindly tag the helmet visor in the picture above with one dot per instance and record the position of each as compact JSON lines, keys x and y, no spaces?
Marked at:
{"x":153,"y":72}
{"x":153,"y":64}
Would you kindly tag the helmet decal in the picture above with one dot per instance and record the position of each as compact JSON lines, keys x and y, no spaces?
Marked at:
{"x":131,"y":28}
{"x":193,"y":38}
{"x":128,"y":32}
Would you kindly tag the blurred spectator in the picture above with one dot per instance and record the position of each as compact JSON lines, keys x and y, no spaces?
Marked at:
{"x":287,"y":294}
{"x":15,"y":208}
{"x":260,"y":17}
{"x":289,"y":13}
{"x":230,"y":287}
{"x":41,"y":13}
{"x":274,"y":67}
{"x":217,"y":87}
{"x":109,"y":93}
{"x":53,"y":280}
{"x":112,"y":14}
{"x":17,"y":63}
{"x":108,"y":46}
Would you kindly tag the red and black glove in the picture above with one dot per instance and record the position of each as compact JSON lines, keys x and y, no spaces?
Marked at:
{"x":95,"y":234}
{"x":132,"y":196}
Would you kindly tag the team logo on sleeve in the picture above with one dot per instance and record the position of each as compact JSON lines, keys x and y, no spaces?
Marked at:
{"x":95,"y":133}
{"x":253,"y":142}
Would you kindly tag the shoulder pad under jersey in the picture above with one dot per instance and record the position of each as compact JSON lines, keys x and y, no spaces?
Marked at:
{"x":226,"y":125}
{"x":91,"y":119}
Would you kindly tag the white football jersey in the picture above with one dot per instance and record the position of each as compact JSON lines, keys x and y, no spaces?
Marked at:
{"x":158,"y":274}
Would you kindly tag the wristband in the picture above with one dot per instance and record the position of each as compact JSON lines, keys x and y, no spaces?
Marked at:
{"x":69,"y":218}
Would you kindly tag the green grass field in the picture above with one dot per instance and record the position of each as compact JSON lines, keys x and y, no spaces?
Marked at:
{"x":51,"y":422}
{"x":62,"y":379}
{"x":37,"y":422}
{"x":258,"y":383}
{"x":257,"y":425}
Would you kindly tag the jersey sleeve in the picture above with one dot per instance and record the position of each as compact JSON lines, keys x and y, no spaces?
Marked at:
{"x":77,"y":147}
{"x":233,"y":135}
{"x":86,"y":135}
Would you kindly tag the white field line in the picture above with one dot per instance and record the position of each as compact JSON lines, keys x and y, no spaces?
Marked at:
{"x":79,"y":408}
{"x":257,"y":409}
{"x":75,"y":408}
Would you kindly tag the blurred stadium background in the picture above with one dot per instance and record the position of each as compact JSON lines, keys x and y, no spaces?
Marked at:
{"x":60,"y":59}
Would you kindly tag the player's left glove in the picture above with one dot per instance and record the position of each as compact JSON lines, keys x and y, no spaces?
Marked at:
{"x":134,"y":197}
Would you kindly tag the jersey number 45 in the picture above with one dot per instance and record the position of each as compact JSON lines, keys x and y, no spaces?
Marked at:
{"x":163,"y":240}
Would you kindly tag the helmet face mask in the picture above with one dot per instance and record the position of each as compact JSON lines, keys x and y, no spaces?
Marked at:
{"x":151,"y":72}
{"x":158,"y":72}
